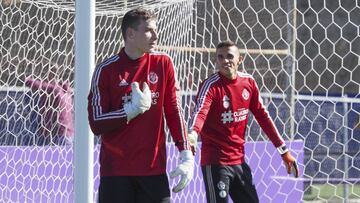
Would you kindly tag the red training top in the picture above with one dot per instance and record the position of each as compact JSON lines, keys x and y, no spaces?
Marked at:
{"x":137,"y":148}
{"x":221,"y":114}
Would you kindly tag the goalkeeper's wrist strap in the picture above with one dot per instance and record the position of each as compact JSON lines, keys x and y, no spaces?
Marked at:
{"x":282,"y":149}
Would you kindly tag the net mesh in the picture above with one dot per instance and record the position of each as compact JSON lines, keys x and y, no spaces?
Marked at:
{"x":304,"y":57}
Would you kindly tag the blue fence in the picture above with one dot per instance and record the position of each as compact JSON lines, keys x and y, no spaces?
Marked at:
{"x":19,"y":118}
{"x":331,"y":144}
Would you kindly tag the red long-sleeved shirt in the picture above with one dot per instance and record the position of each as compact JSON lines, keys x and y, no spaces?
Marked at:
{"x":220,"y":116}
{"x":136,"y":148}
{"x":56,"y":107}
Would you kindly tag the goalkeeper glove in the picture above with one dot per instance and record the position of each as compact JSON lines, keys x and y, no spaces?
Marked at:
{"x":193,"y":136}
{"x":185,"y":169}
{"x":290,"y":163}
{"x":140,"y":101}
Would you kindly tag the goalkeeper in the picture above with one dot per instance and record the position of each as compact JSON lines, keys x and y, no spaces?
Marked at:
{"x":131,"y":94}
{"x":220,"y":116}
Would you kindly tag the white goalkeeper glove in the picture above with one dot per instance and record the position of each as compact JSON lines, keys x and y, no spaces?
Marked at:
{"x":185,"y":169}
{"x":193,"y":136}
{"x":140,"y":101}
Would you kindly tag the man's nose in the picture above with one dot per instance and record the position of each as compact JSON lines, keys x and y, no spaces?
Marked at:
{"x":155,"y":35}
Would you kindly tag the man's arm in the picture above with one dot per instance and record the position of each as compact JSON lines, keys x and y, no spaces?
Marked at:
{"x":101,"y":118}
{"x":176,"y":124}
{"x":266,"y":123}
{"x":49,"y":87}
{"x":173,"y":111}
{"x":139,"y":103}
{"x":263,"y":117}
{"x":203,"y":102}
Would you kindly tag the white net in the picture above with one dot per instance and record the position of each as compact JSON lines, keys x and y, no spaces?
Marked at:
{"x":304,"y":57}
{"x":36,"y":95}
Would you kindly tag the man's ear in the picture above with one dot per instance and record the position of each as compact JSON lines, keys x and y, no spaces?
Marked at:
{"x":130,"y":33}
{"x":240,"y":60}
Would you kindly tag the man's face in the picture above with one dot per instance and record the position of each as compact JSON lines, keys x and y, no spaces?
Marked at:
{"x":145,"y":36}
{"x":227,"y":61}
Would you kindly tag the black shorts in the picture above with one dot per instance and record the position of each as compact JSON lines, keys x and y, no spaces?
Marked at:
{"x":236,"y":181}
{"x":134,"y":189}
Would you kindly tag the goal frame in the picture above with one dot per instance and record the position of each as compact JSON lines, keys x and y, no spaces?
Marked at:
{"x":84,"y":64}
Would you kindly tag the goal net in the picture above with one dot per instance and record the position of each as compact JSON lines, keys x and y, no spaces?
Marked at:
{"x":303,"y":55}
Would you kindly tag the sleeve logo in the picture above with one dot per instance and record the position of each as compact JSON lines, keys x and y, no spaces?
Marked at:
{"x":226,"y":102}
{"x":122,"y":82}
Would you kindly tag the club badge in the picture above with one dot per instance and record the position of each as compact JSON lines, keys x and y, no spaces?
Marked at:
{"x":245,"y":94}
{"x":153,"y":78}
{"x":221,"y":185}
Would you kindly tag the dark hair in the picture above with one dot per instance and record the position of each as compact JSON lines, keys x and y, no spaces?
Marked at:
{"x":133,"y":18}
{"x":226,"y":43}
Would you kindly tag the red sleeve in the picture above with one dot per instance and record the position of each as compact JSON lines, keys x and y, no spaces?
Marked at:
{"x":263,"y":117}
{"x":49,"y":87}
{"x":34,"y":84}
{"x":203,"y":102}
{"x":172,"y":109}
{"x":101,"y":118}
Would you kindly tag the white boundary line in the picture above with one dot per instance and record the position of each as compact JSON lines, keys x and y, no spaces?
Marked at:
{"x":315,"y":179}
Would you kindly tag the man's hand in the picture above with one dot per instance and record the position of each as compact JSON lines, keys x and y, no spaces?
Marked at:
{"x":290,"y":164}
{"x":140,"y":101}
{"x":193,"y":136}
{"x":185,"y":169}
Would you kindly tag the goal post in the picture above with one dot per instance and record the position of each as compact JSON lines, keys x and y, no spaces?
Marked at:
{"x":84,"y":67}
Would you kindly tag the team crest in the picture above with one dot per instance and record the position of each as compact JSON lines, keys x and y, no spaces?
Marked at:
{"x":226,"y":102}
{"x":245,"y":94}
{"x":153,"y":78}
{"x":221,"y":185}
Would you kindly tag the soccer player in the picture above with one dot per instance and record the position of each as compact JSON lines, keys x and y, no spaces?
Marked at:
{"x":131,"y":95}
{"x":220,"y":116}
{"x":55,"y":106}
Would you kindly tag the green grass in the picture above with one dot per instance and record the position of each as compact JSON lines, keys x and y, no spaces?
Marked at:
{"x":331,"y":191}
